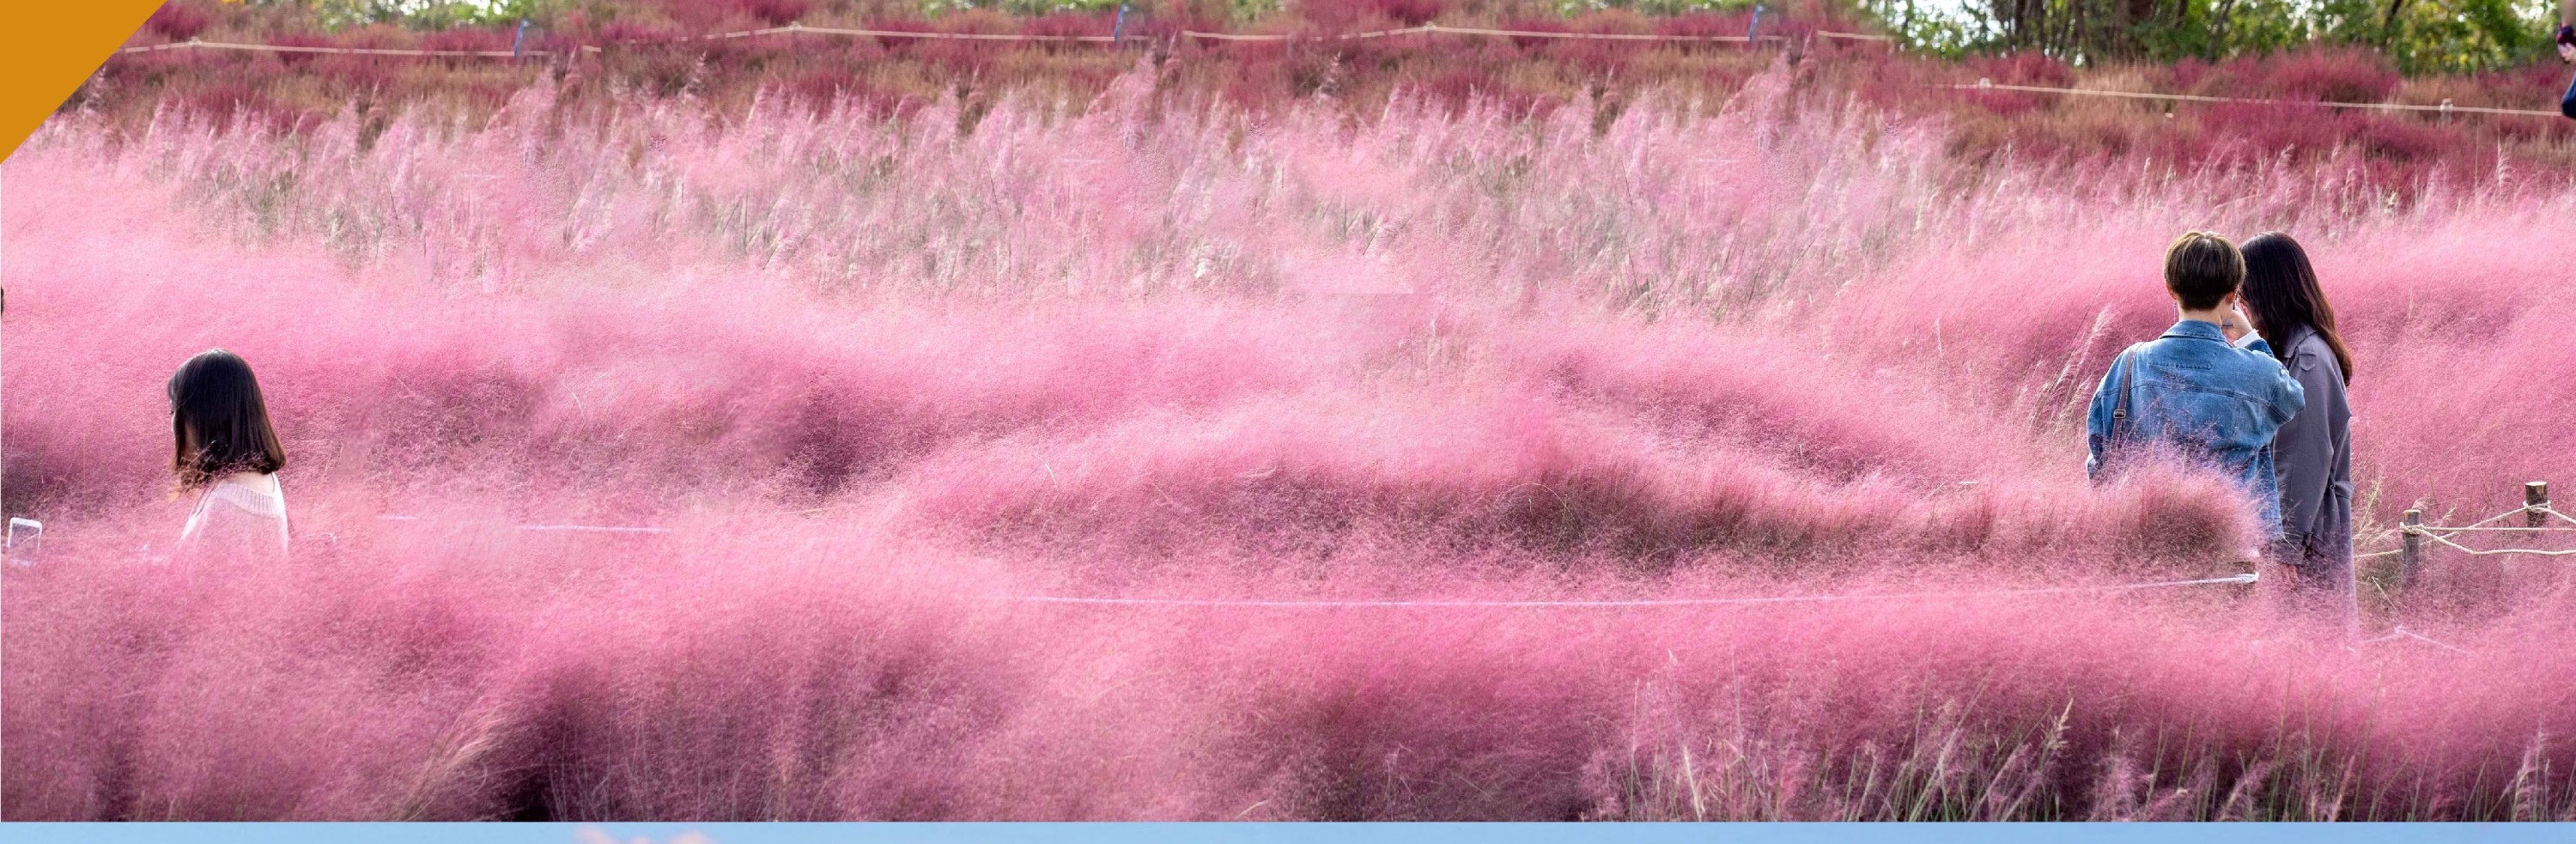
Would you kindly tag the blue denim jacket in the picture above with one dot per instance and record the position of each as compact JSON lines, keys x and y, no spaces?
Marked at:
{"x":2207,"y":401}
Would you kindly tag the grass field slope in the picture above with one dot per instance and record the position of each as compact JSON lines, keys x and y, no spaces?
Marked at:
{"x":1421,"y":438}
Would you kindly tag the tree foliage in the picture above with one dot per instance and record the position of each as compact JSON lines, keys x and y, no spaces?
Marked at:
{"x":2416,"y":35}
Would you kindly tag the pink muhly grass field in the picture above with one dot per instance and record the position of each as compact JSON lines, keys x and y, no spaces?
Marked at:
{"x":879,"y":378}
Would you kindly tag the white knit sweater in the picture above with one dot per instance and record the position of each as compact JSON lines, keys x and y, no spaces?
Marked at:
{"x":242,"y":515}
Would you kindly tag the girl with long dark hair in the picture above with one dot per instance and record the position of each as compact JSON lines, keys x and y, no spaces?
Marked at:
{"x":2567,"y":53}
{"x":2312,"y":454}
{"x":226,"y":452}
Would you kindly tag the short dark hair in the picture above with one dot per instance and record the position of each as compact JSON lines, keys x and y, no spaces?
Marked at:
{"x":2201,"y":268}
{"x":215,"y":397}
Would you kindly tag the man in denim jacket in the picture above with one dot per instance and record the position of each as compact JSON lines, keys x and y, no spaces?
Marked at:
{"x":2208,"y":391}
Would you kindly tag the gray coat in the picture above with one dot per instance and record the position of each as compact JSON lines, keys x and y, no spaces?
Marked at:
{"x":2313,"y":455}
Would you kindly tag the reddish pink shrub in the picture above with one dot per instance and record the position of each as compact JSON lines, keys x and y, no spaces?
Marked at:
{"x":2023,"y":69}
{"x":1535,"y":75}
{"x":179,"y":21}
{"x":1703,"y":23}
{"x":717,"y":15}
{"x":1334,"y":16}
{"x":2349,"y":76}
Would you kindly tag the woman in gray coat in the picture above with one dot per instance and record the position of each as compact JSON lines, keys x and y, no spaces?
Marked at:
{"x":2313,"y":451}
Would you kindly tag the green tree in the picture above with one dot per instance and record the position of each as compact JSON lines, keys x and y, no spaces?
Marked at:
{"x":422,"y":14}
{"x":2416,"y":35}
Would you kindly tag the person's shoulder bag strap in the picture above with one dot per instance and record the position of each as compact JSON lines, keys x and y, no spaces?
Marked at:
{"x":2121,"y":426}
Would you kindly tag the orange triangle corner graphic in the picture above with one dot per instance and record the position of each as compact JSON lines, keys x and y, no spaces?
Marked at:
{"x":48,"y":47}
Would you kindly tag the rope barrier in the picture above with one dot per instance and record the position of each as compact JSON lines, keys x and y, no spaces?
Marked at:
{"x":2541,"y":509}
{"x":2491,"y":519}
{"x":2486,"y":525}
{"x":1519,"y":33}
{"x":592,"y":529}
{"x":2248,"y":577}
{"x":1601,"y":36}
{"x":968,"y":36}
{"x":552,"y":528}
{"x":2402,"y":633}
{"x":2445,"y":107}
{"x":2467,"y":550}
{"x":1347,"y":36}
{"x":1229,"y":36}
{"x":795,"y":28}
{"x":194,"y":44}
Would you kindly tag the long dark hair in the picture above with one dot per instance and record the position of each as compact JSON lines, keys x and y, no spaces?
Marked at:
{"x":214,"y":397}
{"x":2281,"y":290}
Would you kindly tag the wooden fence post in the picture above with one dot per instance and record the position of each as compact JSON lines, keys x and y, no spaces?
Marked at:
{"x":2535,"y":495}
{"x":2410,"y":549}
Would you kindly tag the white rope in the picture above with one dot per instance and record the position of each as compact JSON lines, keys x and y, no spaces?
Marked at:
{"x":1526,"y":33}
{"x":2541,"y":509}
{"x":795,"y":28}
{"x":1347,"y":36}
{"x":2445,"y":107}
{"x":592,"y":529}
{"x":2248,"y":577}
{"x":552,"y":528}
{"x":2483,"y":525}
{"x":2488,"y":520}
{"x":969,"y":36}
{"x":2441,"y":534}
{"x":2467,"y":550}
{"x":194,"y":44}
{"x":1597,"y":36}
{"x":2402,"y":633}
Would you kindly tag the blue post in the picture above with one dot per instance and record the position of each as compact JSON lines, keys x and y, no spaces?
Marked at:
{"x":1753,"y":31}
{"x":517,"y":37}
{"x":1118,"y":25}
